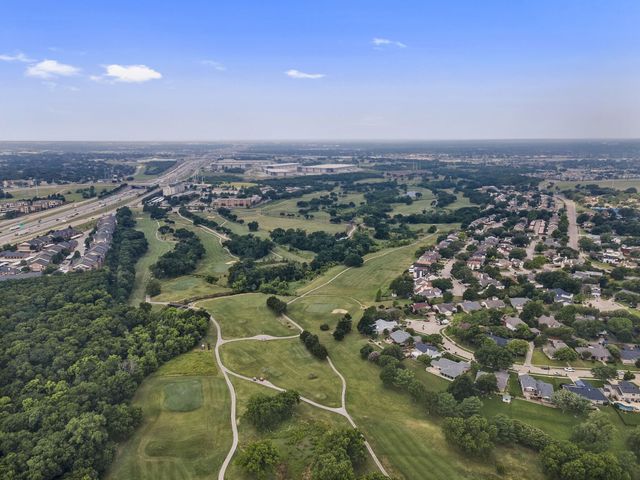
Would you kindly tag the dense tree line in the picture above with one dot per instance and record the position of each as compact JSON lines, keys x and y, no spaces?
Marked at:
{"x":207,"y":222}
{"x":276,"y":305}
{"x":182,"y":259}
{"x":249,"y":276}
{"x":329,"y":249}
{"x":312,"y":342}
{"x":71,"y":358}
{"x":248,"y":246}
{"x":266,"y":412}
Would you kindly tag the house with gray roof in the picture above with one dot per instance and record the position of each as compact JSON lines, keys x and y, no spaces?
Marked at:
{"x":596,"y":351}
{"x":629,"y":356}
{"x":512,"y":323}
{"x":535,"y":388}
{"x":502,"y":378}
{"x":549,"y":321}
{"x":518,"y":302}
{"x":400,"y":337}
{"x":623,"y":390}
{"x":469,"y":306}
{"x":450,"y":369}
{"x":588,"y":391}
{"x":382,"y":325}
{"x":425,"y":349}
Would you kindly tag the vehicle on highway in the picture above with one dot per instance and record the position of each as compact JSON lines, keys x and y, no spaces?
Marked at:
{"x":14,"y":228}
{"x":569,"y":369}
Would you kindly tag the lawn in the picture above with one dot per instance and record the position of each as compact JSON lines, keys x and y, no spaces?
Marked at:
{"x":185,"y":432}
{"x":287,"y":364}
{"x":246,"y":315}
{"x":69,"y":191}
{"x":157,"y":247}
{"x":540,"y":358}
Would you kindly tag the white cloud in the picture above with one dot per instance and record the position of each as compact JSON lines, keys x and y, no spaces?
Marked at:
{"x":298,"y":74}
{"x":383,"y":42}
{"x":50,"y":69}
{"x":131,"y":73}
{"x":18,"y":57}
{"x":216,"y":65}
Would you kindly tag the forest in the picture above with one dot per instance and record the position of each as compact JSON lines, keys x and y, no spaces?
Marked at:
{"x":72,"y":354}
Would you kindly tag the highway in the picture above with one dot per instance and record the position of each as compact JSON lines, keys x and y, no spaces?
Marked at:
{"x":75,"y":214}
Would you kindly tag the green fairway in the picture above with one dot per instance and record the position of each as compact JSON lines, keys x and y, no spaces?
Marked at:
{"x":185,"y":432}
{"x":287,"y":364}
{"x":247,"y":315}
{"x":157,"y":246}
{"x":215,"y":262}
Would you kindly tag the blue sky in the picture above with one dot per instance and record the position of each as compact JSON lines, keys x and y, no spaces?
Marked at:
{"x":196,"y":70}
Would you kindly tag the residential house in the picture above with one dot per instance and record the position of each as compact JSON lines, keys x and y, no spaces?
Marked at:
{"x":420,"y":307}
{"x":623,"y":390}
{"x":447,"y":309}
{"x":562,"y":296}
{"x":493,"y":303}
{"x":548,"y":321}
{"x":400,"y":337}
{"x":512,"y":323}
{"x":450,"y":369}
{"x":588,"y":391}
{"x":500,"y":341}
{"x":552,"y":346}
{"x":469,"y":306}
{"x":425,"y":349}
{"x":428,"y":258}
{"x":629,"y":356}
{"x":518,"y":302}
{"x":502,"y":377}
{"x":535,"y":388}
{"x":382,"y":325}
{"x":597,"y":351}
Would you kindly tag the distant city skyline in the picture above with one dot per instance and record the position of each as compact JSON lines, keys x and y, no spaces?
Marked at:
{"x":285,"y":70}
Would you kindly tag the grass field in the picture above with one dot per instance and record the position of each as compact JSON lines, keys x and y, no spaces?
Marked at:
{"x":294,"y":438}
{"x":619,"y":184}
{"x":246,"y":315}
{"x":215,"y":262}
{"x":287,"y":364}
{"x":69,"y":191}
{"x":156,"y":248}
{"x":185,"y":432}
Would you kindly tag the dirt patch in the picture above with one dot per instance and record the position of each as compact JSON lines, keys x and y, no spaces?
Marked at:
{"x":340,"y":310}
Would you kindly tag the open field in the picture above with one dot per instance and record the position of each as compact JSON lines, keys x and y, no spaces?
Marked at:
{"x":69,"y":191}
{"x":185,"y":432}
{"x":619,"y":184}
{"x":246,"y":315}
{"x":287,"y":364}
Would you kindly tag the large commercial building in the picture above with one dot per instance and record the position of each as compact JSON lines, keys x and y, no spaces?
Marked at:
{"x":327,"y":168}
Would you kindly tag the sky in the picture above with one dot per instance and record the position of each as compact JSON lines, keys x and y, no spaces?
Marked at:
{"x":332,"y":69}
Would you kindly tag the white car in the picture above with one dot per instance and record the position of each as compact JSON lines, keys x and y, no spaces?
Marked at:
{"x":569,"y":369}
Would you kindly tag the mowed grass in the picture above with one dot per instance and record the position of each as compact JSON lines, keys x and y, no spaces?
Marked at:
{"x":185,"y":432}
{"x":246,"y":315}
{"x":407,"y":441}
{"x":377,"y":272}
{"x":68,"y":191}
{"x":287,"y":364}
{"x":216,"y":262}
{"x":294,"y":438}
{"x":156,"y":248}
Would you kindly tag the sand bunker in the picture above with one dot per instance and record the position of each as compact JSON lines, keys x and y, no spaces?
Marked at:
{"x":340,"y":310}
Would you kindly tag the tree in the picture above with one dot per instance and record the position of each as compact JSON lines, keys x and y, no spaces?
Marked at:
{"x":470,"y":406}
{"x":253,"y":226}
{"x":594,"y":434}
{"x":153,"y":288}
{"x":628,"y":376}
{"x":443,"y":284}
{"x":565,"y":354}
{"x":445,"y":405}
{"x":473,"y":435}
{"x":604,"y":372}
{"x":402,"y":286}
{"x":531,"y":311}
{"x":633,"y":441}
{"x":518,"y":347}
{"x":493,"y":356}
{"x":276,"y":305}
{"x":461,"y":388}
{"x":259,"y":458}
{"x":568,"y":401}
{"x":353,"y":260}
{"x":332,"y":467}
{"x":265,"y":412}
{"x":365,"y":351}
{"x":486,"y":384}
